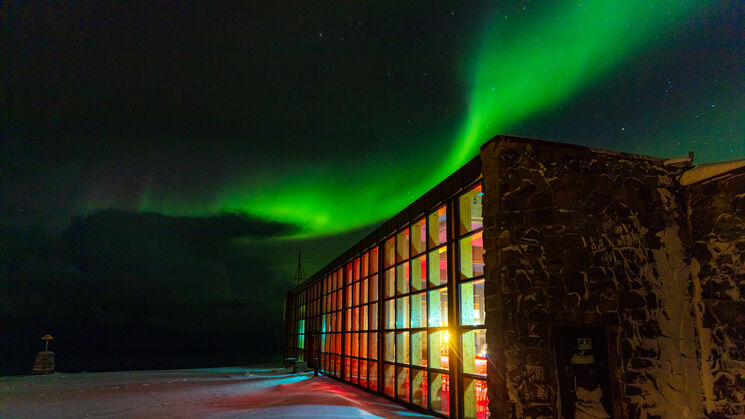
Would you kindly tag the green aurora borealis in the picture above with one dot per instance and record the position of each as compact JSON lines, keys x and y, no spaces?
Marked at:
{"x":163,"y":162}
{"x":520,"y":69}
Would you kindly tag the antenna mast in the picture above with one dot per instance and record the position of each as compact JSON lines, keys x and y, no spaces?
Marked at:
{"x":299,"y":272}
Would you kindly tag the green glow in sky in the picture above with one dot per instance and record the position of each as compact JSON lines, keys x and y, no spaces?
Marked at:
{"x":548,"y":60}
{"x":522,"y":66}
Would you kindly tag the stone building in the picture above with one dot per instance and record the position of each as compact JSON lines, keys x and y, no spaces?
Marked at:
{"x":544,"y":280}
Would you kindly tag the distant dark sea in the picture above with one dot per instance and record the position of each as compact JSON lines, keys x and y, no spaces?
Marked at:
{"x":21,"y":363}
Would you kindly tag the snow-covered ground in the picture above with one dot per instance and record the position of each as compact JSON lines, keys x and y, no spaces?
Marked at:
{"x":208,"y":392}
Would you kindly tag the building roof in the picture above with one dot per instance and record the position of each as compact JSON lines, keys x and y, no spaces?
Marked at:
{"x":707,"y":171}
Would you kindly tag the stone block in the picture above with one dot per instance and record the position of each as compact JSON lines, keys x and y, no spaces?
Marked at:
{"x":43,"y":363}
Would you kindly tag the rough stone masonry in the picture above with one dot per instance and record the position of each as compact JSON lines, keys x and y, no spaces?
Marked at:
{"x":643,"y":248}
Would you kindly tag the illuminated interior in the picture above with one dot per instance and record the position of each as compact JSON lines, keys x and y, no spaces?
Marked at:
{"x":399,"y":318}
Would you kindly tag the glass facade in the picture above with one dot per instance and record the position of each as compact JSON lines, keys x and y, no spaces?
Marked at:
{"x":389,"y":318}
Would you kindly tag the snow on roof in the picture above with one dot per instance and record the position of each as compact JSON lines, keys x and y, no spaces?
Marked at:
{"x":707,"y":171}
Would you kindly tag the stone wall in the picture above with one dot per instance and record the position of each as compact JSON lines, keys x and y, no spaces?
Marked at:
{"x":717,"y":225}
{"x":575,"y":236}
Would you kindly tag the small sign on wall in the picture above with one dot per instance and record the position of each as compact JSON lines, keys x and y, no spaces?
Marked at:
{"x":584,"y":344}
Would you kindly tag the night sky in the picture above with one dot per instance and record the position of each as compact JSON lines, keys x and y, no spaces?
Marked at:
{"x":162,"y":163}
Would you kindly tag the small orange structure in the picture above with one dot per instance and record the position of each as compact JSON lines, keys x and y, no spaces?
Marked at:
{"x":44,"y":362}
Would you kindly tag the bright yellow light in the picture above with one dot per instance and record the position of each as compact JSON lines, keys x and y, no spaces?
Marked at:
{"x":445,"y":337}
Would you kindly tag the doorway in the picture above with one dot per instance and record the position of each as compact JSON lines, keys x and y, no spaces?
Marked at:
{"x":583,"y":372}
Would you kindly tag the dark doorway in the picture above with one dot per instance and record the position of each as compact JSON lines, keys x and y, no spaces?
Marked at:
{"x":584,"y":379}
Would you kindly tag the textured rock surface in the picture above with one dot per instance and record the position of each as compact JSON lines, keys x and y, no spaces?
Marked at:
{"x":575,"y":236}
{"x":717,"y":224}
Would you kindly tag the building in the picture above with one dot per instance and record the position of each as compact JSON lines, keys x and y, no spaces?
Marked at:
{"x":545,"y":280}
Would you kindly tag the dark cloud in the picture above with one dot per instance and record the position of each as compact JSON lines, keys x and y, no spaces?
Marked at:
{"x":118,"y":281}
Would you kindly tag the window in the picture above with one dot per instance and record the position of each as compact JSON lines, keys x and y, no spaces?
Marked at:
{"x":387,"y":311}
{"x":471,"y":303}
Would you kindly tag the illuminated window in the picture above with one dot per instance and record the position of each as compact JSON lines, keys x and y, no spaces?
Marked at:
{"x":419,"y":310}
{"x":402,"y":381}
{"x":402,"y":246}
{"x":419,"y":273}
{"x":402,"y":278}
{"x":419,"y":387}
{"x":469,"y":206}
{"x":438,"y":307}
{"x":438,"y":266}
{"x":390,"y":252}
{"x":475,"y":400}
{"x":390,"y":283}
{"x":472,"y":310}
{"x":472,"y":256}
{"x":389,"y":377}
{"x":437,"y":230}
{"x":439,"y":390}
{"x":419,"y":237}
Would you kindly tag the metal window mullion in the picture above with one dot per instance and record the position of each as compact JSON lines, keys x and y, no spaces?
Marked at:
{"x":454,"y":366}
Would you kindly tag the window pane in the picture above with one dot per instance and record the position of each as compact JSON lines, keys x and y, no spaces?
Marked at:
{"x":402,"y":347}
{"x":438,"y":307}
{"x":374,"y":316}
{"x":390,"y":314}
{"x":402,"y":246}
{"x":418,"y":237}
{"x":356,"y":318}
{"x":350,"y":273}
{"x":474,"y":351}
{"x":347,"y":343}
{"x":355,"y":344}
{"x":437,"y":230}
{"x":438,"y":266}
{"x":374,"y":287}
{"x":419,"y":310}
{"x":402,"y":383}
{"x":390,"y":380}
{"x":347,"y":369}
{"x":364,"y":264}
{"x":390,"y":283}
{"x":419,"y":273}
{"x":374,"y":260}
{"x":419,"y":348}
{"x":363,"y":373}
{"x":348,"y":290}
{"x":363,"y":345}
{"x":469,"y":205}
{"x":472,"y":256}
{"x":475,"y":400}
{"x":372,"y":374}
{"x":363,"y":318}
{"x":356,"y":294}
{"x":419,"y":387}
{"x":402,"y":278}
{"x":472,"y":303}
{"x":389,"y":350}
{"x":438,"y":349}
{"x":372,"y":339}
{"x":439,"y":390}
{"x":390,"y":252}
{"x":365,"y":291}
{"x":348,"y":315}
{"x":402,"y":313}
{"x":355,"y":371}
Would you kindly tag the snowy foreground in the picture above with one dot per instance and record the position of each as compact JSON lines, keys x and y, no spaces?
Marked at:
{"x":210,"y":392}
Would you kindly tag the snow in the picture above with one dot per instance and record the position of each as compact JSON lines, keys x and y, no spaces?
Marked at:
{"x":588,"y":404}
{"x":211,"y":392}
{"x":707,"y":171}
